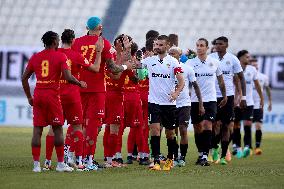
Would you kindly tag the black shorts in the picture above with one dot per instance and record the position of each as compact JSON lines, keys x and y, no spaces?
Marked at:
{"x":226,"y":113}
{"x":182,"y":116}
{"x":210,"y":112}
{"x":257,"y":115}
{"x":244,"y":114}
{"x":163,"y":114}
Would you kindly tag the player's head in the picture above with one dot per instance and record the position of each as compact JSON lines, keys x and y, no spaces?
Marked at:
{"x":149,"y":47}
{"x":253,"y":62}
{"x":94,"y":23}
{"x":161,"y":45}
{"x":175,"y":52}
{"x":152,"y":34}
{"x":50,"y":40}
{"x":173,"y":38}
{"x":68,"y":36}
{"x":118,"y":41}
{"x":244,"y":57}
{"x":134,"y":48}
{"x":201,"y":46}
{"x":221,"y":44}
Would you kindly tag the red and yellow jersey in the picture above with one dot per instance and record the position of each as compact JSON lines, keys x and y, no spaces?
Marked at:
{"x":75,"y":62}
{"x":144,"y":89}
{"x":48,"y":66}
{"x":86,"y":46}
{"x":129,"y":85}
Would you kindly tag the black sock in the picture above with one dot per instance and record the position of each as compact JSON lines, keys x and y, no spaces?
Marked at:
{"x":224,"y":146}
{"x":206,"y":140}
{"x":215,"y":140}
{"x":247,"y":136}
{"x":258,"y":137}
{"x":135,"y":151}
{"x":155,"y":146}
{"x":175,"y":148}
{"x":183,"y":149}
{"x":197,"y":137}
{"x":170,"y":148}
{"x":237,"y":137}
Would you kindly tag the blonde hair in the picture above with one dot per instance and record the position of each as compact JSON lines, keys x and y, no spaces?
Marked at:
{"x":174,"y":48}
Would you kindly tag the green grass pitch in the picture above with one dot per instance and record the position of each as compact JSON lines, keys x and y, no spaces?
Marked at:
{"x":265,"y":171}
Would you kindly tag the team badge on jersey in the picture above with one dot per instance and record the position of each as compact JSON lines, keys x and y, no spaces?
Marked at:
{"x":228,"y":63}
{"x":168,"y":65}
{"x":211,"y":64}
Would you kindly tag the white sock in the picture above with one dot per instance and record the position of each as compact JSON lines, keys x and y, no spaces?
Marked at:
{"x":204,"y":156}
{"x":129,"y":154}
{"x":36,"y":163}
{"x":146,"y":155}
{"x":141,"y":155}
{"x":118,"y":155}
{"x":109,"y":160}
{"x":90,"y":159}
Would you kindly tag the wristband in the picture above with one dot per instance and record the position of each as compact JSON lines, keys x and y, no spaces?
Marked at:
{"x":124,"y":67}
{"x":243,"y":98}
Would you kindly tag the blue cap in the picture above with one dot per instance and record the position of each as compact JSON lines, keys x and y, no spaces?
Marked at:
{"x":93,"y":22}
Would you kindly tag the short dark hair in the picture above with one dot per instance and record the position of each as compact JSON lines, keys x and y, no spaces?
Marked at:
{"x":67,"y":36}
{"x":173,"y":38}
{"x":242,"y":53}
{"x":213,"y":42}
{"x":152,"y":34}
{"x":223,"y":38}
{"x":149,"y":44}
{"x":163,"y":37}
{"x":134,"y":48}
{"x":205,"y":40}
{"x":49,"y":37}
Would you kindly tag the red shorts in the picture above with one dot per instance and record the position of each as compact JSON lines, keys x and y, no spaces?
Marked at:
{"x":133,"y":114}
{"x":114,"y":108}
{"x":93,"y":105}
{"x":47,"y":109}
{"x":73,"y":113}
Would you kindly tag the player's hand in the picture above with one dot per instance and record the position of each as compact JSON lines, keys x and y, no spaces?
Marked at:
{"x":173,"y":96}
{"x":126,"y":42}
{"x":99,"y":45}
{"x":31,"y":101}
{"x":243,"y":104}
{"x":269,"y":108}
{"x":83,"y":84}
{"x":223,"y":102}
{"x":201,"y":109}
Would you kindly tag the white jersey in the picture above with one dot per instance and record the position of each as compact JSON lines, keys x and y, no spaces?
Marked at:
{"x":263,"y":82}
{"x":161,"y":75}
{"x":189,"y":76}
{"x":250,"y":74}
{"x":229,"y":66}
{"x":205,"y":73}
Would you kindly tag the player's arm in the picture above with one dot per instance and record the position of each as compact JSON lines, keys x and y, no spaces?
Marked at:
{"x":242,"y":82}
{"x":259,"y":92}
{"x":71,"y":79}
{"x":199,"y":97}
{"x":238,"y":91}
{"x":95,"y":67}
{"x":179,"y":86}
{"x":222,"y":89}
{"x":268,"y":93}
{"x":26,"y":86}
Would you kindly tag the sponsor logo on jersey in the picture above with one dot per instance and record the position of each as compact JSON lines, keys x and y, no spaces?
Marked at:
{"x":228,"y":63}
{"x":203,"y":74}
{"x":161,"y":75}
{"x":226,"y":72}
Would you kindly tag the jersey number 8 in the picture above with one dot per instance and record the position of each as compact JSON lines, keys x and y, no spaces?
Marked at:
{"x":44,"y":68}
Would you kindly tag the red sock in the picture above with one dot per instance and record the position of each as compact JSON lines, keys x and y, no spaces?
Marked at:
{"x":91,"y":136}
{"x":119,"y":139}
{"x":60,"y":153}
{"x":36,"y":153}
{"x":131,"y":140}
{"x":78,"y":143}
{"x":72,"y":144}
{"x":112,"y":144}
{"x":49,"y":145}
{"x":139,"y":138}
{"x":105,"y":141}
{"x":68,"y":138}
{"x":145,"y":140}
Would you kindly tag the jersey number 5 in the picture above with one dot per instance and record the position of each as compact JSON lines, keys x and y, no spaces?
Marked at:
{"x":44,"y":68}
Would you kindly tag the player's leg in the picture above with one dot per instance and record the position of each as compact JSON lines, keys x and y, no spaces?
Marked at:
{"x":237,"y":149}
{"x":248,"y":114}
{"x":257,"y":119}
{"x":49,"y":145}
{"x":36,"y":147}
